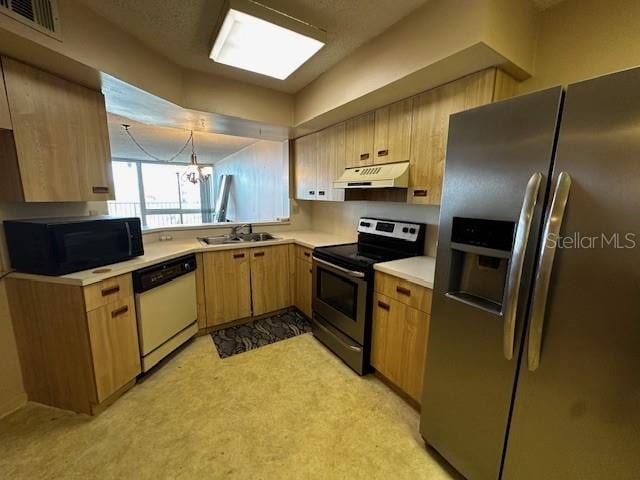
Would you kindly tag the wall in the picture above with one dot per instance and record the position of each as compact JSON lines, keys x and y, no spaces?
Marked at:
{"x":342,"y":218}
{"x":259,"y":187}
{"x":580,"y":39}
{"x":437,"y":43}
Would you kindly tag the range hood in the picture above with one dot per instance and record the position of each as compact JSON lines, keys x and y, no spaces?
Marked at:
{"x":394,"y":175}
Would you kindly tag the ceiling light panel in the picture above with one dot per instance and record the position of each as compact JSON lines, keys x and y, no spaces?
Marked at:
{"x":264,"y":44}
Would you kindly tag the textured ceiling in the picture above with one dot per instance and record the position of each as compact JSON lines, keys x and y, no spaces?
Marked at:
{"x":164,"y":142}
{"x":182,"y":30}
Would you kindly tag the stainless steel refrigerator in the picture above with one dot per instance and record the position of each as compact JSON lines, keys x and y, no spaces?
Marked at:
{"x":533,"y":363}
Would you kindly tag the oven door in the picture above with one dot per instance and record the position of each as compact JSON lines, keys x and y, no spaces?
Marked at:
{"x":340,"y":297}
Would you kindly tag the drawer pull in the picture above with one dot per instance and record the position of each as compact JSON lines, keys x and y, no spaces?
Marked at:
{"x":403,"y":291}
{"x":384,"y":306}
{"x":306,"y":254}
{"x":110,"y":291}
{"x":258,"y":254}
{"x":238,"y":255}
{"x":321,"y":192}
{"x":312,"y":192}
{"x":98,"y":189}
{"x":419,"y":193}
{"x":364,"y":156}
{"x":119,"y":311}
{"x":383,"y":153}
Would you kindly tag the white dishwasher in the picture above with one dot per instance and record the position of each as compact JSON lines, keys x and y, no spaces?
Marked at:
{"x":166,"y":307}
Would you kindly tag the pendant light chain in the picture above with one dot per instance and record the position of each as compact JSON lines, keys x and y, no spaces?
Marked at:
{"x":152,"y":156}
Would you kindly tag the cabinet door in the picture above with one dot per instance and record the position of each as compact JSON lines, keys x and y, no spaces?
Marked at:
{"x":331,"y":161}
{"x":305,"y":152}
{"x":303,"y":286}
{"x":270,"y":279}
{"x":393,"y":132}
{"x":431,"y":111}
{"x":5,"y":118}
{"x":399,"y":344}
{"x":227,"y":282}
{"x":113,"y":334}
{"x":359,"y":140}
{"x":61,"y":137}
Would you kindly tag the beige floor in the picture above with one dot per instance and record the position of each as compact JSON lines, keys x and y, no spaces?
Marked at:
{"x":287,"y":410}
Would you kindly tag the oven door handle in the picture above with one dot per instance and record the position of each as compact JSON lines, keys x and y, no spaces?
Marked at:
{"x":351,"y":273}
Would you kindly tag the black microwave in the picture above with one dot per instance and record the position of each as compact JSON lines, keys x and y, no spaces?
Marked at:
{"x":57,"y":246}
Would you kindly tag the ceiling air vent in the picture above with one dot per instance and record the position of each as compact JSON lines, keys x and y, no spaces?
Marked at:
{"x":39,"y":14}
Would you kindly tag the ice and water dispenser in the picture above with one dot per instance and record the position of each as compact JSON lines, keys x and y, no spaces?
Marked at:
{"x":480,"y":255}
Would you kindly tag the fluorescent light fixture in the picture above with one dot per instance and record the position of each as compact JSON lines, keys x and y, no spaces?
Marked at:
{"x":256,"y":38}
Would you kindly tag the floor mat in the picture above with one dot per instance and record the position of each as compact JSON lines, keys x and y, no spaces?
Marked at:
{"x":241,"y":338}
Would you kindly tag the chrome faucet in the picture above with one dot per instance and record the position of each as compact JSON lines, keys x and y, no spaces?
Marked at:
{"x":237,"y":228}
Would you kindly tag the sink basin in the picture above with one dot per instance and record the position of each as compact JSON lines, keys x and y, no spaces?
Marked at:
{"x":256,"y":237}
{"x":241,"y":238}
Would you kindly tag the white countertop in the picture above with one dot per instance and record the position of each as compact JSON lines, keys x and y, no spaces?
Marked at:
{"x":418,"y":270}
{"x":156,"y":252}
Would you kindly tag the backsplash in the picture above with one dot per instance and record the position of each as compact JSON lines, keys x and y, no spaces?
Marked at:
{"x":342,"y":217}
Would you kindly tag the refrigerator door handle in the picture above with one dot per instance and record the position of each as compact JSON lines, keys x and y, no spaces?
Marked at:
{"x":517,"y":262}
{"x":544,"y":268}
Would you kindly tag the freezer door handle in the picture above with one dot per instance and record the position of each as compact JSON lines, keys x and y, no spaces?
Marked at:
{"x":544,"y":268}
{"x":517,"y":262}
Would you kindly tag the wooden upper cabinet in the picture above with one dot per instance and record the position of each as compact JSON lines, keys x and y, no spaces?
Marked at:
{"x":359,"y":140}
{"x":270,"y":277}
{"x":331,"y":162}
{"x":5,"y":118}
{"x":227,"y":278}
{"x":430,"y":128}
{"x":61,"y":137}
{"x":393,"y":132}
{"x":305,"y":166}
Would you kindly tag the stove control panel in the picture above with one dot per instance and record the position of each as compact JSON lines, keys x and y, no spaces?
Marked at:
{"x":390,"y":228}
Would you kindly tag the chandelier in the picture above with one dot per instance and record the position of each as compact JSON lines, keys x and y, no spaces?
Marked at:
{"x":194,"y":173}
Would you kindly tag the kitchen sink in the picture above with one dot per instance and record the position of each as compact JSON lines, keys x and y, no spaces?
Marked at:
{"x":241,"y":238}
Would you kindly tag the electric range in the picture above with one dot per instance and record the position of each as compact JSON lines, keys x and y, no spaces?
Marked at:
{"x":343,"y":285}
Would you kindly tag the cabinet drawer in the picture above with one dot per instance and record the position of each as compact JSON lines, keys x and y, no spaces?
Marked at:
{"x":403,"y":291}
{"x":303,"y":253}
{"x":113,"y":335}
{"x":107,"y":291}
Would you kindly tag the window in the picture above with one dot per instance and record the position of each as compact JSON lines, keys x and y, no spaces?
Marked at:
{"x":159,"y":194}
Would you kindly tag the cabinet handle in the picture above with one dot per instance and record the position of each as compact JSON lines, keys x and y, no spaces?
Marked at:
{"x":364,"y":156}
{"x":321,"y":192}
{"x":258,"y":254}
{"x":403,"y":291}
{"x":310,"y":271}
{"x":110,"y":290}
{"x":384,"y":306}
{"x":312,"y":192}
{"x":420,"y":193}
{"x":99,"y":189}
{"x":119,"y":311}
{"x":383,"y":153}
{"x":306,"y":254}
{"x":238,"y":255}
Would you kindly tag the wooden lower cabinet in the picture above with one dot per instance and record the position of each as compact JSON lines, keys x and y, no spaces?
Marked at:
{"x":304,"y":277}
{"x":399,"y":343}
{"x":113,"y":333}
{"x":75,"y":355}
{"x":270,"y":279}
{"x":227,"y":277}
